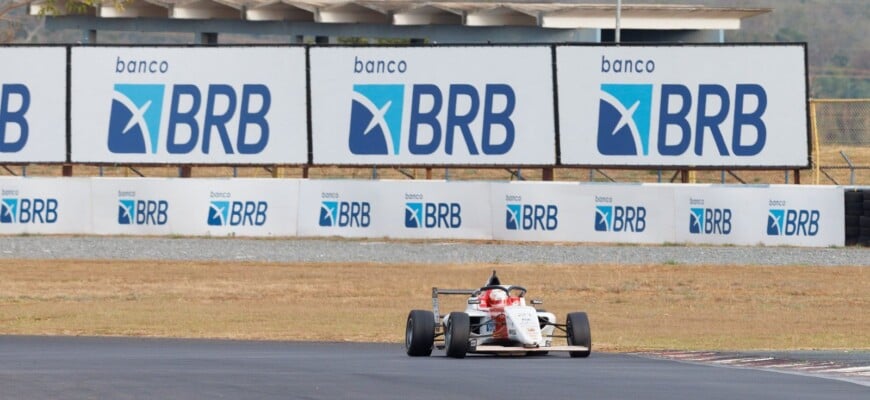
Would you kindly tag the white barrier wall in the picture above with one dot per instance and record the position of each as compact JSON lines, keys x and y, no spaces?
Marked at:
{"x":45,"y":205}
{"x":629,"y":213}
{"x":198,"y":207}
{"x":148,"y":206}
{"x":450,"y":105}
{"x":714,"y":214}
{"x":751,"y":215}
{"x":528,"y":211}
{"x":689,"y":105}
{"x":240,"y":207}
{"x":189,"y":105}
{"x":798,"y":216}
{"x":346,"y":208}
{"x":395,"y":209}
{"x":531,"y":211}
{"x":439,"y":209}
{"x":32,"y":104}
{"x":585,"y":212}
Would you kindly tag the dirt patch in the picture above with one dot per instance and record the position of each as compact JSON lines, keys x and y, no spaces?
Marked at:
{"x":829,"y":157}
{"x":630,"y":307}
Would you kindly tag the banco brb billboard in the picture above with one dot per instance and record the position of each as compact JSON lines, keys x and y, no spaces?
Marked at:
{"x":227,"y":105}
{"x":693,"y":105}
{"x":32,"y":104}
{"x":432,"y":105}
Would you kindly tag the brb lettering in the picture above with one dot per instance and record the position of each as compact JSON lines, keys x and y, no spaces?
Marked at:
{"x":184,"y":118}
{"x":678,"y":117}
{"x":427,"y":118}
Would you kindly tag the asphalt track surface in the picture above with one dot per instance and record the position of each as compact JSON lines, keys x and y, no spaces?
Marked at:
{"x":127,"y":368}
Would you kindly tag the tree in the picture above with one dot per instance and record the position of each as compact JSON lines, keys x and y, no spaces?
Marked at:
{"x":10,"y":21}
{"x":16,"y":25}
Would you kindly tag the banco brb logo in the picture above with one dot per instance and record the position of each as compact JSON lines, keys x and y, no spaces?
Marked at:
{"x":134,"y":124}
{"x":676,"y":119}
{"x":191,"y":119}
{"x":14,"y":210}
{"x":433,"y":215}
{"x":142,"y":212}
{"x":344,"y":214}
{"x":710,"y":221}
{"x":624,"y":119}
{"x":792,"y":222}
{"x":237,"y":213}
{"x":436,"y":121}
{"x":376,"y":119}
{"x":527,"y":217}
{"x":609,"y":218}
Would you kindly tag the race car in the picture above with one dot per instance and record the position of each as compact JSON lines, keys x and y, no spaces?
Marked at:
{"x":495,"y":321}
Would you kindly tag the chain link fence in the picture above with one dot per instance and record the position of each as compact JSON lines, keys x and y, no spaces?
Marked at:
{"x":841,"y":141}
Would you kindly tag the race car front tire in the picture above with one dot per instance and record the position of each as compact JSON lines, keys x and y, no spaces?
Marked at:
{"x":579,"y":334}
{"x":456,"y":334}
{"x":420,"y":333}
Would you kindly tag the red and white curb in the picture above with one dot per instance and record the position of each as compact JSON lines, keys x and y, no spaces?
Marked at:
{"x":852,"y":371}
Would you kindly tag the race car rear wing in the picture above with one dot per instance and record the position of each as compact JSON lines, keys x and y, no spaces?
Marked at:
{"x":436,"y":292}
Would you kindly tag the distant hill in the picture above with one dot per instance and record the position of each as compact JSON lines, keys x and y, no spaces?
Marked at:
{"x":837,"y":33}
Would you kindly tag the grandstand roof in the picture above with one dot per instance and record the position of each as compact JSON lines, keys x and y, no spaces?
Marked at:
{"x":552,"y":15}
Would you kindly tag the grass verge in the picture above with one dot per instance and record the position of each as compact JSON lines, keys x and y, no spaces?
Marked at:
{"x":631,"y":307}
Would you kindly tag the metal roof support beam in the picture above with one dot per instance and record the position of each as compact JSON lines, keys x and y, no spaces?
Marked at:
{"x":278,"y":12}
{"x":434,"y":33}
{"x":89,"y":36}
{"x":207,"y":38}
{"x":426,"y":15}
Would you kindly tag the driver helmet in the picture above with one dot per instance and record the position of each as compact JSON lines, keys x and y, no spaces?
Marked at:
{"x":497,"y":296}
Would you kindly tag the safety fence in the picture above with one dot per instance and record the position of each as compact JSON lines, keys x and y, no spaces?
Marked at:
{"x":841,"y":134}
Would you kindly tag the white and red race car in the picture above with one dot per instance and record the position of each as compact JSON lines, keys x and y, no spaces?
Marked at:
{"x":495,"y":321}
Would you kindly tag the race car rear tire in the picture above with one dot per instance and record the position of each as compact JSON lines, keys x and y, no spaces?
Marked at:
{"x":456,"y":334}
{"x":579,"y":333}
{"x":420,"y":333}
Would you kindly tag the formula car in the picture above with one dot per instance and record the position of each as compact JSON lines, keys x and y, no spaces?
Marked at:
{"x":495,"y":321}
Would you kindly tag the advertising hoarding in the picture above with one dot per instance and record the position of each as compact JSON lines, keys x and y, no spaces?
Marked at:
{"x":193,"y":105}
{"x":768,"y":215}
{"x":346,"y":208}
{"x":139,"y":206}
{"x":32,"y":104}
{"x":801,"y":216}
{"x":531,"y":211}
{"x":719,"y":214}
{"x":692,"y":105}
{"x":432,"y":105}
{"x":627,"y":213}
{"x":239,"y":207}
{"x":45,"y":205}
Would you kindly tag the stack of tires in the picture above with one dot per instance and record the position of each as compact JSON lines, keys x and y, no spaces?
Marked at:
{"x":864,"y":221}
{"x":857,"y":217}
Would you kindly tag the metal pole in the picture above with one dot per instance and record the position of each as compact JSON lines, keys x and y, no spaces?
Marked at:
{"x":618,"y":18}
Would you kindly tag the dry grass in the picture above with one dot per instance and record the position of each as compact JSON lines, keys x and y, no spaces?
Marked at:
{"x":630,"y":307}
{"x":830,"y":156}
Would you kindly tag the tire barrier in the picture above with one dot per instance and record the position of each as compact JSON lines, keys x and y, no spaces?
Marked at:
{"x":857,"y":216}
